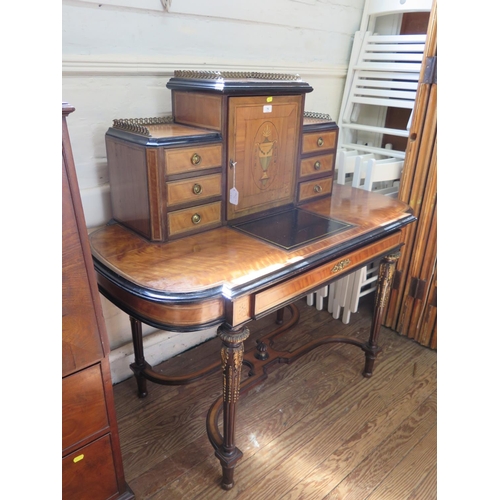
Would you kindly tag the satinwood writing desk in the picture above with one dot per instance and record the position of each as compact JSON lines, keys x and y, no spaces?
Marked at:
{"x":229,"y":276}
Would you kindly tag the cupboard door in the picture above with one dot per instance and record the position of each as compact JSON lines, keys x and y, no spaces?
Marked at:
{"x":263,"y":141}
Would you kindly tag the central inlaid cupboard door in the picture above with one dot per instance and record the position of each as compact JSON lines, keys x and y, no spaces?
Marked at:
{"x":263,"y":139}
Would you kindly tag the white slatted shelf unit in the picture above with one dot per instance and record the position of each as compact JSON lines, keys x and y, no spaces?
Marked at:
{"x":384,"y":74}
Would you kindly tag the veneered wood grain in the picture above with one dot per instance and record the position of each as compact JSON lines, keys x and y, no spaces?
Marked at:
{"x":296,"y":287}
{"x":180,"y":315}
{"x":198,"y":109}
{"x":264,"y":146}
{"x":182,"y":221}
{"x":180,"y":161}
{"x":311,"y":141}
{"x":184,"y":191}
{"x":93,"y":476}
{"x":84,"y":406}
{"x":307,"y":165}
{"x":128,"y":177}
{"x":315,"y":189}
{"x":225,"y":256}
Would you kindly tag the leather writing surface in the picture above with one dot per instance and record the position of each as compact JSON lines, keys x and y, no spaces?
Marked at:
{"x":292,"y":228}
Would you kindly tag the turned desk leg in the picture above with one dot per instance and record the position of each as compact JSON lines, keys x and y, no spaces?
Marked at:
{"x":280,"y":314}
{"x":231,"y":360}
{"x":140,"y":362}
{"x":384,"y":284}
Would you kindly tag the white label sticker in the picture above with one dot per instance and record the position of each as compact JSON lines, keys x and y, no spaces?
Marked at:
{"x":233,"y":196}
{"x":268,"y":108}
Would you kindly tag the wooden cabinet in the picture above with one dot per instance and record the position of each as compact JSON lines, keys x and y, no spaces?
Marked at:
{"x":162,"y":177}
{"x":317,"y":161}
{"x":237,"y":147}
{"x":91,"y":459}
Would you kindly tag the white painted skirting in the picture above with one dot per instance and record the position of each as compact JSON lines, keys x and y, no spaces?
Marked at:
{"x":158,"y":346}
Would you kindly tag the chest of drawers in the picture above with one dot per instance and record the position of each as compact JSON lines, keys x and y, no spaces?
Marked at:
{"x":237,"y":147}
{"x":91,"y":458}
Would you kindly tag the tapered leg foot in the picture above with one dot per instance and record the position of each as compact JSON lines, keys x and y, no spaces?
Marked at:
{"x":140,"y":362}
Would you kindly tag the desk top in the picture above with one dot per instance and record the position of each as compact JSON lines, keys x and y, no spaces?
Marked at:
{"x":226,"y":262}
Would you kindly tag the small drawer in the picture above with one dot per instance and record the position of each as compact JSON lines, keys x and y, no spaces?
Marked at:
{"x":314,"y":189}
{"x":83,"y":406}
{"x":194,"y":189}
{"x":195,"y":218}
{"x":306,"y":282}
{"x":317,"y":141}
{"x":89,"y":473}
{"x":316,"y":165}
{"x":182,"y":160}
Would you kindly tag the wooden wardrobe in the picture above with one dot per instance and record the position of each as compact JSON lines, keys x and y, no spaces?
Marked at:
{"x":91,"y":458}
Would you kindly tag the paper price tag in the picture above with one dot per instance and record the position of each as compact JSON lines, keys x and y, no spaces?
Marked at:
{"x":233,"y":196}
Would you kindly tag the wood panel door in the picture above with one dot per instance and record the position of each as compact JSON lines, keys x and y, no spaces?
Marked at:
{"x":263,"y":139}
{"x":412,"y":309}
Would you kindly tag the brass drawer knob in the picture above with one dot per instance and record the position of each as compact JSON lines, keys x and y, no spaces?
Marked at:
{"x":196,"y":218}
{"x":197,"y":189}
{"x":195,"y":159}
{"x":318,"y":188}
{"x":317,"y":165}
{"x":320,"y":141}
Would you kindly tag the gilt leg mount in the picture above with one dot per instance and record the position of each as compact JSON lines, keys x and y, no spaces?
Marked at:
{"x":231,"y":363}
{"x":384,"y":285}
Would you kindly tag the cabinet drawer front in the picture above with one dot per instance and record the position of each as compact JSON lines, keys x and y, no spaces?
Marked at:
{"x":89,"y":473}
{"x":184,"y":160}
{"x":314,"y":189}
{"x":191,"y":219}
{"x":319,"y":141}
{"x":306,"y":282}
{"x":316,"y":165}
{"x":83,"y":405}
{"x":194,"y":189}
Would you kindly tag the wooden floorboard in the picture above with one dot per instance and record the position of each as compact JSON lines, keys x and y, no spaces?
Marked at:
{"x":315,"y":429}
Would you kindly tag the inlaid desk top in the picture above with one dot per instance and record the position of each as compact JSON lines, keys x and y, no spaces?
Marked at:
{"x":188,"y":283}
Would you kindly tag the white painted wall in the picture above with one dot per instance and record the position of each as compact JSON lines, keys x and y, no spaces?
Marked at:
{"x":117,"y":56}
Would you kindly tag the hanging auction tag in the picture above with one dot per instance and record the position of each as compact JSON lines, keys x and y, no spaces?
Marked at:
{"x":233,"y":192}
{"x":233,"y":196}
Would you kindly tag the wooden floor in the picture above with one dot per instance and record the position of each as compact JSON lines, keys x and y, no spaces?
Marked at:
{"x":315,"y":429}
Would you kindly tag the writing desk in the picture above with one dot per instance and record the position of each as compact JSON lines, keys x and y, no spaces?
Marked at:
{"x":228,"y":277}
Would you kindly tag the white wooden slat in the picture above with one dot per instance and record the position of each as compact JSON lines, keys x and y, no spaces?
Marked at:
{"x":370,"y":149}
{"x":389,"y":67}
{"x":388,"y":93}
{"x":390,"y":103}
{"x":395,"y":47}
{"x":383,"y":130}
{"x":410,"y":57}
{"x":390,"y":84}
{"x":388,"y":75}
{"x":373,"y":38}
